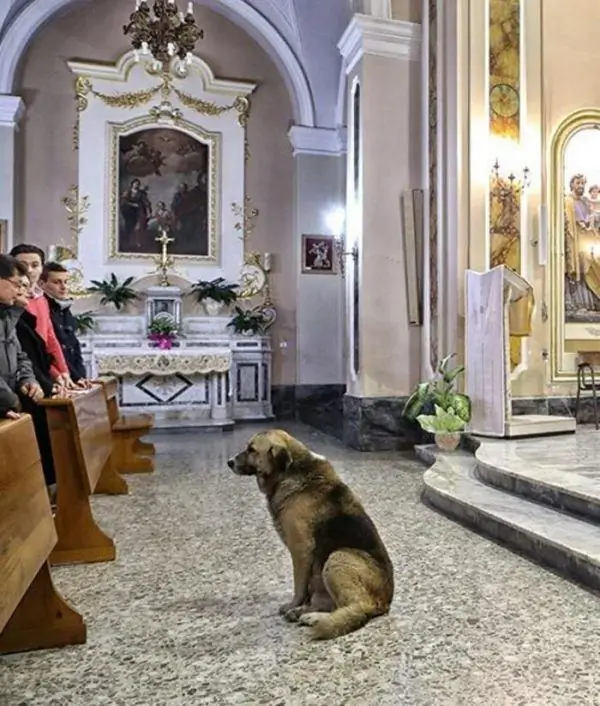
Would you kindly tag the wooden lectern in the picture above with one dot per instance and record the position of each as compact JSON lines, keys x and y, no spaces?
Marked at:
{"x":490,"y":296}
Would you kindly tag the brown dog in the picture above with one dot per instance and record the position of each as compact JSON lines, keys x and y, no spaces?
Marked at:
{"x":343,"y":575}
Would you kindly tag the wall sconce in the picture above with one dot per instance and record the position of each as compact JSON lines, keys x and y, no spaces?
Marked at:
{"x":510,"y":183}
{"x":342,"y":254}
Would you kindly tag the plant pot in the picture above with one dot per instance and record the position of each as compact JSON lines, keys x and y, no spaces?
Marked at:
{"x":212,"y":307}
{"x":449,"y":441}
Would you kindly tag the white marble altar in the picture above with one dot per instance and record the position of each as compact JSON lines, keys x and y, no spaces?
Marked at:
{"x":210,"y":378}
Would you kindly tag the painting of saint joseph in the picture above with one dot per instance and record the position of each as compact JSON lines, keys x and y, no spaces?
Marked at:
{"x":163,"y":183}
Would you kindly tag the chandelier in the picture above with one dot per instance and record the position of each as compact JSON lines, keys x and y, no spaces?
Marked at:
{"x":163,"y":32}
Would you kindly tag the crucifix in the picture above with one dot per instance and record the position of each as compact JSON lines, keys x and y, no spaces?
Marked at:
{"x":164,"y":260}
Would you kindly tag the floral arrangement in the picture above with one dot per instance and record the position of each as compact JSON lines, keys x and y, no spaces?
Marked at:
{"x":163,"y":333}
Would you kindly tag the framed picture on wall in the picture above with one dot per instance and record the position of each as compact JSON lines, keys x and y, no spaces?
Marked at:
{"x":318,"y":254}
{"x":3,"y":235}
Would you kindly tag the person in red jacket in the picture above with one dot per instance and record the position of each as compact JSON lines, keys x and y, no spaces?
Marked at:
{"x":34,"y":258}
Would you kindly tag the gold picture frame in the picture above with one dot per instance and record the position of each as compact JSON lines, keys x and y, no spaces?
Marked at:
{"x":213,"y":141}
{"x":568,"y":335}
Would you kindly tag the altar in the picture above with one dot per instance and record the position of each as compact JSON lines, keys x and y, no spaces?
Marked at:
{"x":211,"y":379}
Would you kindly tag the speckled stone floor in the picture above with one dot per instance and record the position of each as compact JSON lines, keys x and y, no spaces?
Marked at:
{"x":187,"y":615}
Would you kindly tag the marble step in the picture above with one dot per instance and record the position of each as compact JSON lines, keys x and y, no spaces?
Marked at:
{"x":551,"y":472}
{"x":565,"y":543}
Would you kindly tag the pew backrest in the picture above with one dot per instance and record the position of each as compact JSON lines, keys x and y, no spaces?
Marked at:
{"x":27,"y":531}
{"x":110,"y":386}
{"x":80,"y":425}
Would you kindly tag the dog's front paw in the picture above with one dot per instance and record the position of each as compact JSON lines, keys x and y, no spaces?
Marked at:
{"x":293,"y":614}
{"x":283,"y":609}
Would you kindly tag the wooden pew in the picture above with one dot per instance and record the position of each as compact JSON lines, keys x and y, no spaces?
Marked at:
{"x":32,"y":613}
{"x":82,"y":447}
{"x":131,"y":454}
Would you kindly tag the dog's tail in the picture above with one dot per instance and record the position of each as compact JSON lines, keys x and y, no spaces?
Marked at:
{"x":343,"y":621}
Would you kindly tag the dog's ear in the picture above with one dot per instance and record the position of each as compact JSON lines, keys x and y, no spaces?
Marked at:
{"x":281,"y":457}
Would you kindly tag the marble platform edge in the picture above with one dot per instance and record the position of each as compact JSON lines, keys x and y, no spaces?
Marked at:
{"x":563,"y":543}
{"x":562,"y":490}
{"x":554,"y":406}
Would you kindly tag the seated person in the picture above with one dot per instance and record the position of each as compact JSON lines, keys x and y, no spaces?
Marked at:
{"x":19,"y":389}
{"x":33,"y":257}
{"x":54,"y":281}
{"x":31,"y":342}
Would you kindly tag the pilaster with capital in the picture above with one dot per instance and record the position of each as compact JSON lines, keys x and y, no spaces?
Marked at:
{"x":383,"y":58}
{"x":12,"y":109}
{"x":319,"y":157}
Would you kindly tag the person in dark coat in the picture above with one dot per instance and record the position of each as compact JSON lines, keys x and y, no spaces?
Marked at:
{"x":32,"y":344}
{"x":54,"y":282}
{"x":20,"y":391}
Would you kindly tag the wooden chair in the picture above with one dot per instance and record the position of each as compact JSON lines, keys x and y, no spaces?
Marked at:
{"x":82,"y":447}
{"x":131,"y":454}
{"x":32,"y":613}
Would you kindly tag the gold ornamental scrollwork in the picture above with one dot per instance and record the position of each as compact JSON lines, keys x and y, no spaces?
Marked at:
{"x":82,"y":89}
{"x":246,"y":215}
{"x":135,"y":99}
{"x":77,"y":208}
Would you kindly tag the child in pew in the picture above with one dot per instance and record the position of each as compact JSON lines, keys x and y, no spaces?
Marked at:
{"x":19,"y":389}
{"x":34,"y":258}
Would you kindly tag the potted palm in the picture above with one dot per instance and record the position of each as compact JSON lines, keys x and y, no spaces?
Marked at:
{"x":248,"y":322}
{"x":112,"y":291}
{"x":214,"y":294}
{"x":84,"y":323}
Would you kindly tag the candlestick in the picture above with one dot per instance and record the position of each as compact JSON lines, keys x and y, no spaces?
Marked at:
{"x":190,"y":9}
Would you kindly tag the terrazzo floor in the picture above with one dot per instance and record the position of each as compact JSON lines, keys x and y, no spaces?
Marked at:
{"x":187,"y":615}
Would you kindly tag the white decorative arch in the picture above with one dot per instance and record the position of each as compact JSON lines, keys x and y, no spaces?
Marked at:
{"x":38,"y":12}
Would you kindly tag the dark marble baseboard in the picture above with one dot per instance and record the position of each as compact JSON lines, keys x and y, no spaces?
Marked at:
{"x":319,"y":406}
{"x":556,"y":406}
{"x":377,"y":424}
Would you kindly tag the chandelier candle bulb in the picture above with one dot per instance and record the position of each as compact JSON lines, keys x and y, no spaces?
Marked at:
{"x":267,"y":261}
{"x":190,"y":9}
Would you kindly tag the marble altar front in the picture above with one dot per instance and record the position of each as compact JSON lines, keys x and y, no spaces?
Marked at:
{"x":210,"y":378}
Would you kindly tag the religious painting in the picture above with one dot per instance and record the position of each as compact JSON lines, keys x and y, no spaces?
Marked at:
{"x":581,"y":212}
{"x":164,"y":184}
{"x":318,"y":254}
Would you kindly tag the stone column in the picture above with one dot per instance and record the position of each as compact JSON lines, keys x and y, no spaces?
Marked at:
{"x":318,"y":200}
{"x":11,"y":110}
{"x":382,"y":57}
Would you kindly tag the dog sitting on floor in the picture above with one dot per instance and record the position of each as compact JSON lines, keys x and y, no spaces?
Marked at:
{"x":343,"y":575}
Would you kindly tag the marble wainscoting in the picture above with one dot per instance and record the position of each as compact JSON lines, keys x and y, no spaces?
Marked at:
{"x":376,"y":424}
{"x":362,"y":423}
{"x":319,"y":406}
{"x":555,"y":406}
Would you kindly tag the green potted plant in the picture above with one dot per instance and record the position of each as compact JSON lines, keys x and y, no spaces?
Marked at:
{"x":162,"y":333}
{"x":445,"y":425}
{"x":84,"y":323}
{"x":440,"y":391}
{"x":248,"y":322}
{"x":214,"y":294}
{"x":114,"y":292}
